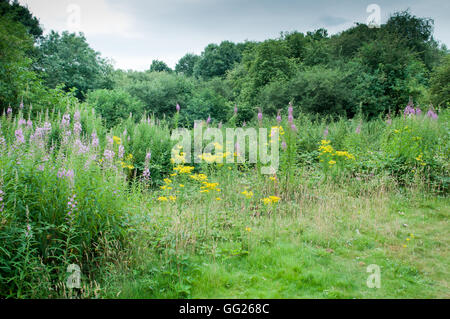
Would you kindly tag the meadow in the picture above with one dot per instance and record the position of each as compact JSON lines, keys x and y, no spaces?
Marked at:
{"x":97,"y":201}
{"x":348,"y":194}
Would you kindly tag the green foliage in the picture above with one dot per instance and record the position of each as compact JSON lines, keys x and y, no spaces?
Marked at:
{"x":158,"y":91}
{"x":58,"y":208}
{"x":21,"y":14}
{"x":416,"y":32}
{"x":187,"y":64}
{"x":440,"y":83}
{"x":141,"y":138}
{"x":206,"y":102}
{"x":54,"y":148}
{"x":67,"y":59}
{"x":216,"y":60}
{"x":415,"y":144}
{"x":321,"y":90}
{"x":347,"y":43}
{"x":15,"y":64}
{"x":159,"y":66}
{"x":115,"y":105}
{"x":268,"y":62}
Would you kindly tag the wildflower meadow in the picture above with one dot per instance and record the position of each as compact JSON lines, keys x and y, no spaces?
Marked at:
{"x":140,"y":221}
{"x":307,"y":165}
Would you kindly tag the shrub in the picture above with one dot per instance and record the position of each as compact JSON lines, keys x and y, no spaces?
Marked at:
{"x":114,"y":105}
{"x":440,"y":83}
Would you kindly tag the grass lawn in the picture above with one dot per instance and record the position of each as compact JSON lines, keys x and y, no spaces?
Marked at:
{"x":316,"y":243}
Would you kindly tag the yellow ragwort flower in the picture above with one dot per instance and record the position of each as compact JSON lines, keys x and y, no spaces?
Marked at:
{"x":117,"y":140}
{"x":247,"y":194}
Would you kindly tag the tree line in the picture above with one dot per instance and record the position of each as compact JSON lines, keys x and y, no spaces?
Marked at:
{"x":364,"y":70}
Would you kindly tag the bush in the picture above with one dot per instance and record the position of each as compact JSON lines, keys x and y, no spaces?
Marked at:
{"x":114,"y":105}
{"x":321,"y":90}
{"x":158,"y":91}
{"x":142,"y":138}
{"x":416,"y":144}
{"x":440,"y":83}
{"x":205,"y":102}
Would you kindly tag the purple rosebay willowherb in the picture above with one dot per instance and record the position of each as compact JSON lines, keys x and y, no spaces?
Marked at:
{"x":146,"y":174}
{"x":77,"y":116}
{"x":20,"y":139}
{"x":431,"y":114}
{"x":290,"y":119}
{"x":279,"y":117}
{"x":409,"y":110}
{"x":260,"y":115}
{"x":65,"y":120}
{"x":95,"y":141}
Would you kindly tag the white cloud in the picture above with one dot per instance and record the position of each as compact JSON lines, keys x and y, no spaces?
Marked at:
{"x":97,"y":17}
{"x":134,"y":32}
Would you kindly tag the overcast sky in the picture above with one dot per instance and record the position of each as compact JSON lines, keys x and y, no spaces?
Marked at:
{"x":134,"y":32}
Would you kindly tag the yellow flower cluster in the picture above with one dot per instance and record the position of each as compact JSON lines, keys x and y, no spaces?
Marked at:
{"x":167,"y":186}
{"x":345,"y":154}
{"x":247,"y":194}
{"x":216,"y":158}
{"x":184,"y":169}
{"x":270,"y":200}
{"x":199,"y":177}
{"x":210,"y":158}
{"x":326,"y":150}
{"x":117,"y":140}
{"x":129,"y":158}
{"x":325,"y":147}
{"x":420,"y":159}
{"x":210,"y":186}
{"x":178,"y":157}
{"x":125,"y":165}
{"x":165,"y":199}
{"x":274,"y":129}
